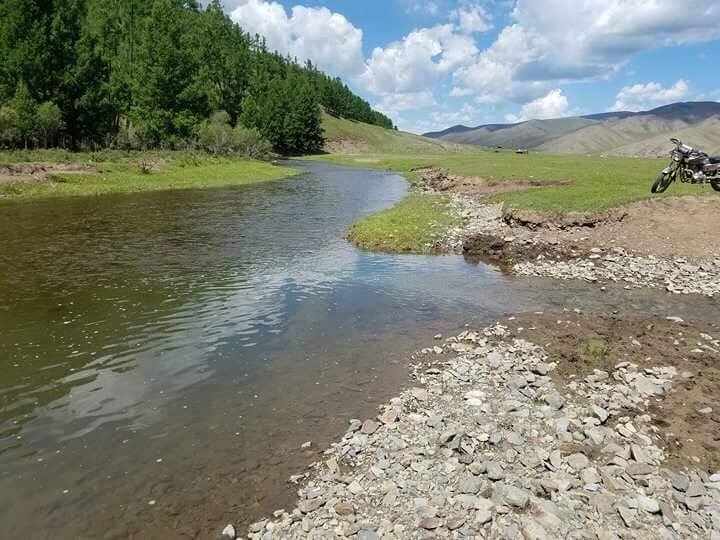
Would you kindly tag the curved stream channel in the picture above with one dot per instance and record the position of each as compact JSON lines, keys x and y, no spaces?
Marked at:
{"x":163,"y":356}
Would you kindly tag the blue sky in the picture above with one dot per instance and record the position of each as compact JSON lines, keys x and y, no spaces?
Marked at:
{"x":430,"y":64}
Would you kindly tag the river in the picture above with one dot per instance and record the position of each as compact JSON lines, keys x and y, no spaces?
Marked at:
{"x":163,"y":356}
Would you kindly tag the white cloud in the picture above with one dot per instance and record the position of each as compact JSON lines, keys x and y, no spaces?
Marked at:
{"x":647,"y":96}
{"x":428,"y":7}
{"x":558,"y":41}
{"x":392,"y":104}
{"x":418,"y":60}
{"x":552,"y":105}
{"x":315,"y":33}
{"x":439,"y":120}
{"x":470,"y":18}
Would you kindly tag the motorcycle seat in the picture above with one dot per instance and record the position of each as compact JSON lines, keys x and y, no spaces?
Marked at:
{"x":714,"y":159}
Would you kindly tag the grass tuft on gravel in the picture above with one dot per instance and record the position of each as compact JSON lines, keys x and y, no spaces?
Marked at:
{"x":414,"y":225}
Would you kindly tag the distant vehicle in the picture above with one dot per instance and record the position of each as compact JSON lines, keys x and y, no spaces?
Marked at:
{"x":688,"y":165}
{"x":521,"y":151}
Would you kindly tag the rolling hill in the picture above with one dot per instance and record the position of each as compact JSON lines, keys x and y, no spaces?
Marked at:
{"x":623,"y":133}
{"x":352,"y":137}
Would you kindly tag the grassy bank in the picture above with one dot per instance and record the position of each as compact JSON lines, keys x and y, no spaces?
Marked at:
{"x":414,"y":225}
{"x":63,"y":174}
{"x":589,"y":183}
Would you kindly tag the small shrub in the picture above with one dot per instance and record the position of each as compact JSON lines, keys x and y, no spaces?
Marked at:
{"x":250,"y":143}
{"x":596,"y":349}
{"x":145,"y":166}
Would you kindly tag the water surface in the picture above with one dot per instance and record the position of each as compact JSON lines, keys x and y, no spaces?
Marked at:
{"x":164,"y":355}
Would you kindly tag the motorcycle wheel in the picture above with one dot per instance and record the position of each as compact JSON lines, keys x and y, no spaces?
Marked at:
{"x":662,"y":182}
{"x":715,"y":185}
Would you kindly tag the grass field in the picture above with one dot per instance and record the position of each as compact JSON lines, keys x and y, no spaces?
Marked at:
{"x":347,"y":136}
{"x":411,"y":226}
{"x":588,"y":182}
{"x":575,"y":182}
{"x":120,"y":172}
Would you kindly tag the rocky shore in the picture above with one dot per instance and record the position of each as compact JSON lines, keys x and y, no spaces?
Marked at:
{"x":499,"y":437}
{"x":569,"y":252}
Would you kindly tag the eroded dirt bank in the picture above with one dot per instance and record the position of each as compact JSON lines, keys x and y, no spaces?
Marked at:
{"x":38,"y":172}
{"x":669,"y":243}
{"x":542,"y":426}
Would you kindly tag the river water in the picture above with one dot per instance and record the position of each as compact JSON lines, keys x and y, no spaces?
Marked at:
{"x":164,"y":356}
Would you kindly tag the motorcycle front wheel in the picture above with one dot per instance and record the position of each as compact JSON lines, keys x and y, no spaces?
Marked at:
{"x":662,"y":182}
{"x":715,"y":185}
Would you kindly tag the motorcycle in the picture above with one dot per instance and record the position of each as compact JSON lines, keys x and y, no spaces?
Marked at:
{"x":688,"y":165}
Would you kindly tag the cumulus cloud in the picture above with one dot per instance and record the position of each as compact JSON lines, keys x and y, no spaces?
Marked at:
{"x":395,"y":103}
{"x":471,"y":17}
{"x":641,"y":97}
{"x":315,"y":33}
{"x":538,"y":51}
{"x":419,"y":59}
{"x":552,"y":105}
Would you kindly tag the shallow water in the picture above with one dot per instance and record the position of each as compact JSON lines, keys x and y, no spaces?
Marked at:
{"x":163,"y":356}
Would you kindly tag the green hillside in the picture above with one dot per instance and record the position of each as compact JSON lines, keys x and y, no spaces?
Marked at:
{"x":351,"y":137}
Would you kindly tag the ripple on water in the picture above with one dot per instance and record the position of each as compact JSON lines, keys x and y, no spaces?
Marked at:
{"x":215,"y":331}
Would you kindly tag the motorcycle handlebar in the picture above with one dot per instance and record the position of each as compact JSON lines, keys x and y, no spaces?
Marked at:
{"x":675,"y":141}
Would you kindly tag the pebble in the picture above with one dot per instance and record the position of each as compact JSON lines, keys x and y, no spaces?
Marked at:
{"x":228,"y":532}
{"x":369,"y":427}
{"x":490,"y":448}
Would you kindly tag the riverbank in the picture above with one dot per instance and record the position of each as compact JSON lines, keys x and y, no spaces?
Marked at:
{"x":537,"y":227}
{"x":565,"y":191}
{"x":542,"y":426}
{"x":54,"y":173}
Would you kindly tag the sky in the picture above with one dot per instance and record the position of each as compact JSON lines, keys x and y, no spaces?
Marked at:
{"x":432,"y":64}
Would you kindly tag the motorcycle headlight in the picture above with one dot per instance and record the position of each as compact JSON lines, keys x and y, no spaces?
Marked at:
{"x":676,"y":158}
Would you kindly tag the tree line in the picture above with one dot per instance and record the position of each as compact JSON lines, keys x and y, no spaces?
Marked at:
{"x":156,"y":74}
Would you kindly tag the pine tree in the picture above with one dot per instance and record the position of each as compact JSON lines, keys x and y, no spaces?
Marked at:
{"x":25,"y":107}
{"x":167,"y":104}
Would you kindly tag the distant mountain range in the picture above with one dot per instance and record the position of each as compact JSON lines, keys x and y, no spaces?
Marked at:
{"x":621,"y":133}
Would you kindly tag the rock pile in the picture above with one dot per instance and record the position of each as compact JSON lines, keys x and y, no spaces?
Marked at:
{"x":477,"y":218}
{"x":488,"y":445}
{"x":434,"y":179}
{"x":676,"y":276}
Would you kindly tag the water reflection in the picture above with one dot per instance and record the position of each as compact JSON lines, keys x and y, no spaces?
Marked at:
{"x":179,"y":347}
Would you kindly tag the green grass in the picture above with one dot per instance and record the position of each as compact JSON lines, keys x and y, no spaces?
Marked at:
{"x":596,"y":349}
{"x":352,"y":137}
{"x":590,"y":183}
{"x":411,"y":226}
{"x":120,"y":172}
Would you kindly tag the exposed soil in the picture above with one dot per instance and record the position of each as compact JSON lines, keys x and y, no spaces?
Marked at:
{"x":667,"y":227}
{"x":38,"y":172}
{"x":344,"y":146}
{"x":581,"y":344}
{"x":681,"y":226}
{"x":664,"y":227}
{"x":439,"y":180}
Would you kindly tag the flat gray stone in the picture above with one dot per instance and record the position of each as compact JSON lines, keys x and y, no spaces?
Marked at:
{"x":578,"y":462}
{"x":369,"y":427}
{"x":516,"y":497}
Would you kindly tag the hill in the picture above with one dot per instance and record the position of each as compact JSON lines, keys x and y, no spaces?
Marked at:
{"x":623,"y":133}
{"x":353,"y":137}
